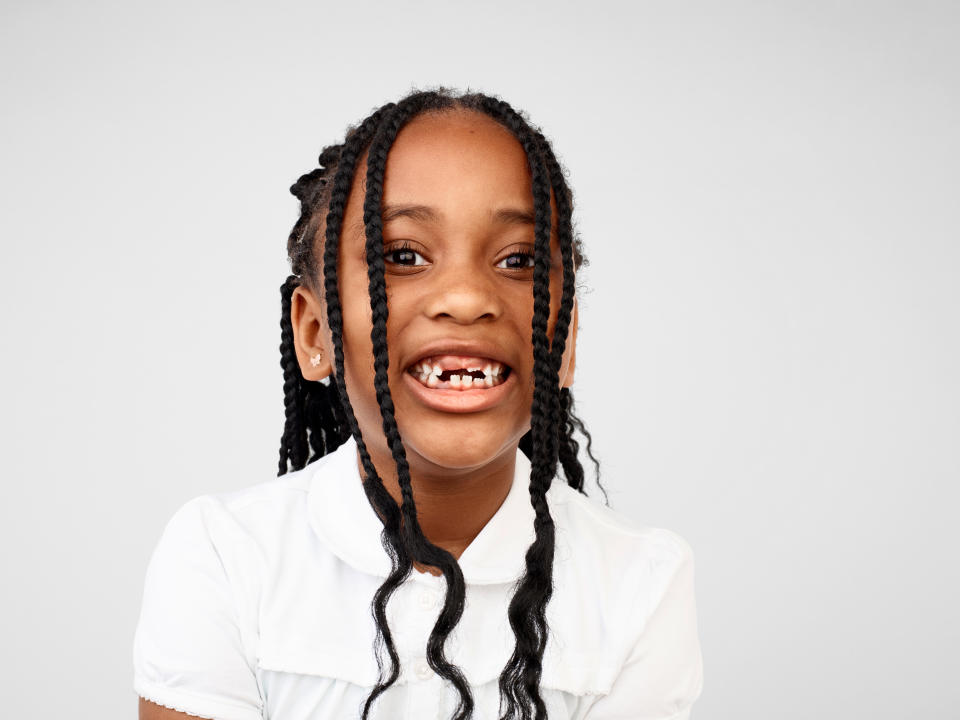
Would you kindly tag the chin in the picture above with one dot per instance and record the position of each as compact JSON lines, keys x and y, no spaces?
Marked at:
{"x":457,"y":451}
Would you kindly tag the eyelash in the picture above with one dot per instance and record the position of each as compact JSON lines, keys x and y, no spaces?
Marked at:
{"x":404,"y":246}
{"x":525,"y":255}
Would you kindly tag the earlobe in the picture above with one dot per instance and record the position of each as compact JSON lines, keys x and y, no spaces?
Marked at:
{"x":309,"y":335}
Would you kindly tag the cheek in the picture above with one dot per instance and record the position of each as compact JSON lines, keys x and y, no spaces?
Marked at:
{"x":356,"y":325}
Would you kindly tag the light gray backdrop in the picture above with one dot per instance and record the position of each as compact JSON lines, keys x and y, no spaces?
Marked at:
{"x":768,"y":358}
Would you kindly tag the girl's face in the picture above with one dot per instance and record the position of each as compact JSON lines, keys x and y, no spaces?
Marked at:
{"x":459,"y":281}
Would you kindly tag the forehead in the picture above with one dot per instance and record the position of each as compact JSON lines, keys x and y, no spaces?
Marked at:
{"x":457,"y":161}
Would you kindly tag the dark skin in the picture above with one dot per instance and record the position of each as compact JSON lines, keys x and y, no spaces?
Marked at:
{"x":465,"y":282}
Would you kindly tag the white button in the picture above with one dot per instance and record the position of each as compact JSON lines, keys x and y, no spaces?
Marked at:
{"x":422,"y":670}
{"x":427,"y":600}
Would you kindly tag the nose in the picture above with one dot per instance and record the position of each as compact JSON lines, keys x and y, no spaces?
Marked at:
{"x":463,"y":294}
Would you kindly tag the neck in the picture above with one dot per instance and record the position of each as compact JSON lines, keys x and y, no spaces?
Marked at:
{"x":453,"y":506}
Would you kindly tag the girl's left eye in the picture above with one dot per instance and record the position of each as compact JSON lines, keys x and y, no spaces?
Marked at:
{"x":518,"y":261}
{"x":404,"y":255}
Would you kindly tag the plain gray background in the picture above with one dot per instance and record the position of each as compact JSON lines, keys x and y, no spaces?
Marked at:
{"x":768,"y":356}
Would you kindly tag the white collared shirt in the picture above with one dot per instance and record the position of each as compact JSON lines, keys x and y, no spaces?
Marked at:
{"x":257,"y":605}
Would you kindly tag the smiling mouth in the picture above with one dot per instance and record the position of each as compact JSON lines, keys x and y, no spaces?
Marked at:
{"x":478,"y":374}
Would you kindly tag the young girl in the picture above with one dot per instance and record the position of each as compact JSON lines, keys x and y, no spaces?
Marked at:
{"x":419,"y":558}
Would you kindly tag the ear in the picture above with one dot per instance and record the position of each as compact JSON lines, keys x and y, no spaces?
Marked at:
{"x":311,"y":336}
{"x":571,"y":347}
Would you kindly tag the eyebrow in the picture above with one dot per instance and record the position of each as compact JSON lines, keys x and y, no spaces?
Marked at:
{"x":427,"y":214}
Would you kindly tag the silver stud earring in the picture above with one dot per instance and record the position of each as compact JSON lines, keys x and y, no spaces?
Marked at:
{"x":315,"y":360}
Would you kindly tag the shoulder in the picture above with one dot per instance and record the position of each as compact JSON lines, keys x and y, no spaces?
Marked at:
{"x":248,"y":506}
{"x":607,"y":561}
{"x":241,"y":528}
{"x":288,"y":489}
{"x":610,"y":537}
{"x":639,"y":582}
{"x":612,"y":576}
{"x":202,"y":594}
{"x":213,"y":557}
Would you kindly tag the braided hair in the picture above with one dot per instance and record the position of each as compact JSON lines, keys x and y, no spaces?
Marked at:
{"x":320,"y":418}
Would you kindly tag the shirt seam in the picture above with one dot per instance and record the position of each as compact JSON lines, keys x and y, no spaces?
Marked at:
{"x":234,"y":504}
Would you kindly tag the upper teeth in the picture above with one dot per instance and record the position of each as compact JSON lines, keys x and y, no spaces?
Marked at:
{"x":427,"y":369}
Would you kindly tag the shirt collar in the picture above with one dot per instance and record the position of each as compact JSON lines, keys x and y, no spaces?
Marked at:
{"x":342,"y":517}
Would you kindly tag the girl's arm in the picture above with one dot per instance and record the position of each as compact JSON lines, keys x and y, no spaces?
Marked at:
{"x":152,"y":711}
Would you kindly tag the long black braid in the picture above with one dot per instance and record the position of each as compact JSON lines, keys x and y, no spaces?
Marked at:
{"x":319,"y":416}
{"x":377,"y":494}
{"x":418,"y":545}
{"x":527,"y":611}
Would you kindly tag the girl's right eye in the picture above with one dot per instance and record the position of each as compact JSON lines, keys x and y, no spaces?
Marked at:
{"x":403,"y":255}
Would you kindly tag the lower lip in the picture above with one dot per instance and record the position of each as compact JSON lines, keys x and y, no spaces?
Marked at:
{"x":459,"y":401}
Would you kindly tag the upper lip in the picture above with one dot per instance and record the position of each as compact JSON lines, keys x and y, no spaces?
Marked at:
{"x":453,"y":346}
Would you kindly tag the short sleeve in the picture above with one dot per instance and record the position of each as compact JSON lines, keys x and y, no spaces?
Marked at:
{"x":663,"y":674}
{"x":188,"y":650}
